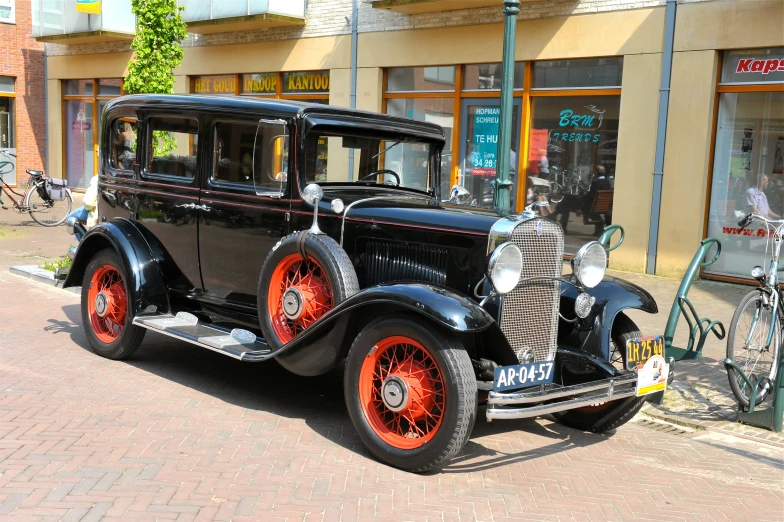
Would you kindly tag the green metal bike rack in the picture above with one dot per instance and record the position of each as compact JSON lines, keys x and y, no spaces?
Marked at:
{"x":770,"y":418}
{"x":699,"y":327}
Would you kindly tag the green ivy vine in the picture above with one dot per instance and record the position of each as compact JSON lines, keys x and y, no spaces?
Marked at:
{"x":157,"y":51}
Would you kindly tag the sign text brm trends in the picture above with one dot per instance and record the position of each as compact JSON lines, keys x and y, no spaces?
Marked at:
{"x":753,"y":65}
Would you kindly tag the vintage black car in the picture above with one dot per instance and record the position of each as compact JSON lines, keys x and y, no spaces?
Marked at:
{"x":315,"y":235}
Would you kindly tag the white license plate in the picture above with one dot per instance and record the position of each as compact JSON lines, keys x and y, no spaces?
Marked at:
{"x":518,"y":376}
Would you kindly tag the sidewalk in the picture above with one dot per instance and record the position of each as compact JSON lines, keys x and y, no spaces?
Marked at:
{"x":699,"y":398}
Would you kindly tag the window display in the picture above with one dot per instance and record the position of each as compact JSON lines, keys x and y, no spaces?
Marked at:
{"x":571,"y":162}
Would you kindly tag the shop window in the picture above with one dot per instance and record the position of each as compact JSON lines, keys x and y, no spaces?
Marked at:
{"x":79,"y":142}
{"x":488,"y":76}
{"x":123,"y":148}
{"x":435,"y":110}
{"x":78,"y":87}
{"x":748,"y":175}
{"x":7,"y":129}
{"x":408,"y":79}
{"x":173,"y":142}
{"x":7,"y":12}
{"x":571,"y":162}
{"x":234,"y":144}
{"x":110,"y":87}
{"x":584,"y":73}
{"x":305,"y":82}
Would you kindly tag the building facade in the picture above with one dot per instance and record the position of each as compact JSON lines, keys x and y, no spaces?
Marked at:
{"x":586,"y":100}
{"x":22,"y":107}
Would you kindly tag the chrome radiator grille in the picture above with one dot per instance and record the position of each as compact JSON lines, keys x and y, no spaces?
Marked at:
{"x":529,"y":315}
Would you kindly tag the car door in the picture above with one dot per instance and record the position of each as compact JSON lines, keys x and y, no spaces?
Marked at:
{"x":168,"y":194}
{"x":245,"y":207}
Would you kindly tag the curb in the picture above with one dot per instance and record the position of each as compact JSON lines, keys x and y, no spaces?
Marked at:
{"x":40,"y":275}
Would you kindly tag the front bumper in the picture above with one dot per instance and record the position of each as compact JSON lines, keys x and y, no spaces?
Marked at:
{"x":552,"y":398}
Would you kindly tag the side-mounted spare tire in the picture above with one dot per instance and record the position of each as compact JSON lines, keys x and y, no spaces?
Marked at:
{"x":304,"y":277}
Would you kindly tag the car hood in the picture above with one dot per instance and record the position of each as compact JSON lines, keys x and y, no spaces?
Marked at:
{"x":413,"y":210}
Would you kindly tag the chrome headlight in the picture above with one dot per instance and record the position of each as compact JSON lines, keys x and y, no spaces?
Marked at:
{"x":504,"y":267}
{"x":589,"y":264}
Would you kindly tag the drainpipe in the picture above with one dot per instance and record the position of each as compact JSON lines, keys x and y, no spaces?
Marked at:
{"x":353,"y":94}
{"x":46,"y":111}
{"x":661,"y":135}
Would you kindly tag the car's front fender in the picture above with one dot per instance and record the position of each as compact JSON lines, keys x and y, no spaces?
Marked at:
{"x":145,"y":285}
{"x":612,"y":296}
{"x":325,"y":344}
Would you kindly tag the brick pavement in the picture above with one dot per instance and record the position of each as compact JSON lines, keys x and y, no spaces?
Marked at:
{"x":186,"y":434}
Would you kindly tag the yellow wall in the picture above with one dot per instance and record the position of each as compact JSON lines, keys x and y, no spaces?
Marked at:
{"x":741,"y":24}
{"x":634,"y":163}
{"x":606,"y":34}
{"x":54,"y":129}
{"x":689,"y":131}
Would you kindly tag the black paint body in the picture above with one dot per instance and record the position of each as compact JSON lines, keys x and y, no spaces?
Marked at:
{"x":197,"y":246}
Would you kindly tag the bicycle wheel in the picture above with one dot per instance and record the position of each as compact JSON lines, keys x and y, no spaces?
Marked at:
{"x":48,"y":212}
{"x":746,"y":346}
{"x":556,"y":192}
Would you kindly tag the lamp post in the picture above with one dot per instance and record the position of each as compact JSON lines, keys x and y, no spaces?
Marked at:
{"x":503,"y":183}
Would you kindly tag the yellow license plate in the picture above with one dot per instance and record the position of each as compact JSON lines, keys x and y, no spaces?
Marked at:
{"x":641,"y":349}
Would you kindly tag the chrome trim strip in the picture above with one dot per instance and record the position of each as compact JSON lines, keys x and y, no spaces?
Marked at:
{"x":544,"y":409}
{"x":350,"y":205}
{"x":527,"y":397}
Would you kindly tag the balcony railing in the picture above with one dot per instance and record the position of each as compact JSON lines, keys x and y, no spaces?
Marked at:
{"x":214,"y":16}
{"x":59,"y":21}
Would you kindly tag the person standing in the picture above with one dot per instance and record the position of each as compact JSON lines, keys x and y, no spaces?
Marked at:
{"x":757,"y":200}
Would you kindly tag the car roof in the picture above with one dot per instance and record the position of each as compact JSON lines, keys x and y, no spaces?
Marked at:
{"x":319,"y":114}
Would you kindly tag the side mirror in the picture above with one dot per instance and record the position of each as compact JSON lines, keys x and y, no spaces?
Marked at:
{"x":459,"y":195}
{"x":312,"y":194}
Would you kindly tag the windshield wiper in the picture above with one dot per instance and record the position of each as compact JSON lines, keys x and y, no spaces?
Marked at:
{"x":383,"y":151}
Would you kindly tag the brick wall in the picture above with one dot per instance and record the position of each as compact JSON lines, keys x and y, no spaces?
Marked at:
{"x":23,"y":58}
{"x":329,"y":17}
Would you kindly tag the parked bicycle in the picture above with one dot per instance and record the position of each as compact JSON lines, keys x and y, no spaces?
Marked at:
{"x":755,"y":335}
{"x":566,"y":183}
{"x":46,"y":200}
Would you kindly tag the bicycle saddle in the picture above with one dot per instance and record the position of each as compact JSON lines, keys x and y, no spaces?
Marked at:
{"x":35,"y":173}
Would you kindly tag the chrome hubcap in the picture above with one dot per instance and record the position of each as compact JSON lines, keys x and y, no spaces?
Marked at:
{"x":101,"y":304}
{"x":394,"y":393}
{"x":292,"y":303}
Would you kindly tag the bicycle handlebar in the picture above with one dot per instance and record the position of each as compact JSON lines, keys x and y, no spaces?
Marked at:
{"x":749,"y":218}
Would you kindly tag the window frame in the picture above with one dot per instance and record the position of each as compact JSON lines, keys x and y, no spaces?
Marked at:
{"x":719,"y":89}
{"x":526,"y":93}
{"x":107,"y":162}
{"x":217,"y":184}
{"x":148,"y":148}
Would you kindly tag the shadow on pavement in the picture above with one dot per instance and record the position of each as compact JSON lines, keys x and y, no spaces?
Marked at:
{"x":317,"y":400}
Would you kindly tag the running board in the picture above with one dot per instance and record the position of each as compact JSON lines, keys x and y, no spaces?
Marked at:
{"x":237,"y":344}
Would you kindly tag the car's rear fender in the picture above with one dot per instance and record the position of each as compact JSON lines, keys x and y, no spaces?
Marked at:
{"x":612,"y":297}
{"x":146,"y":285}
{"x":322,"y":346}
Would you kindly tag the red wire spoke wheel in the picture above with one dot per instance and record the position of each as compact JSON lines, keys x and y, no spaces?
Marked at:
{"x":401,"y":391}
{"x":303,"y":278}
{"x":411,"y":391}
{"x":299,"y":295}
{"x":107,"y":304}
{"x":107,"y":312}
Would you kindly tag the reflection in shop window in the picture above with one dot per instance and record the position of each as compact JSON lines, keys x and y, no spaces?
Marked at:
{"x":571,"y":162}
{"x":407,"y":79}
{"x":583,"y":73}
{"x":434,"y":110}
{"x":748,"y":176}
{"x":487,"y":76}
{"x":123,"y":150}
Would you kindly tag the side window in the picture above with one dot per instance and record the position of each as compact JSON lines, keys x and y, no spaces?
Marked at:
{"x":173,"y":143}
{"x":270,"y":161}
{"x":122,"y":152}
{"x":233,"y":148}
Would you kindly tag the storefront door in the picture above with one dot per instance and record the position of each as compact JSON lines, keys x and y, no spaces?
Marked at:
{"x":479,"y":147}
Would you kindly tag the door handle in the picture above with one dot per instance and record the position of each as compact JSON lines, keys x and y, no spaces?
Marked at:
{"x":203,"y":208}
{"x":194,"y":206}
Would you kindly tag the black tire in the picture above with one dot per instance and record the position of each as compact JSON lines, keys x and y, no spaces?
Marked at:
{"x":459,"y":391}
{"x":48,"y":212}
{"x":765,"y":364}
{"x":614,"y":414}
{"x":130,"y":336}
{"x":328,"y":255}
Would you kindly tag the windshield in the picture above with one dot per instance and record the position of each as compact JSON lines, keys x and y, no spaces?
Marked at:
{"x":402,"y":161}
